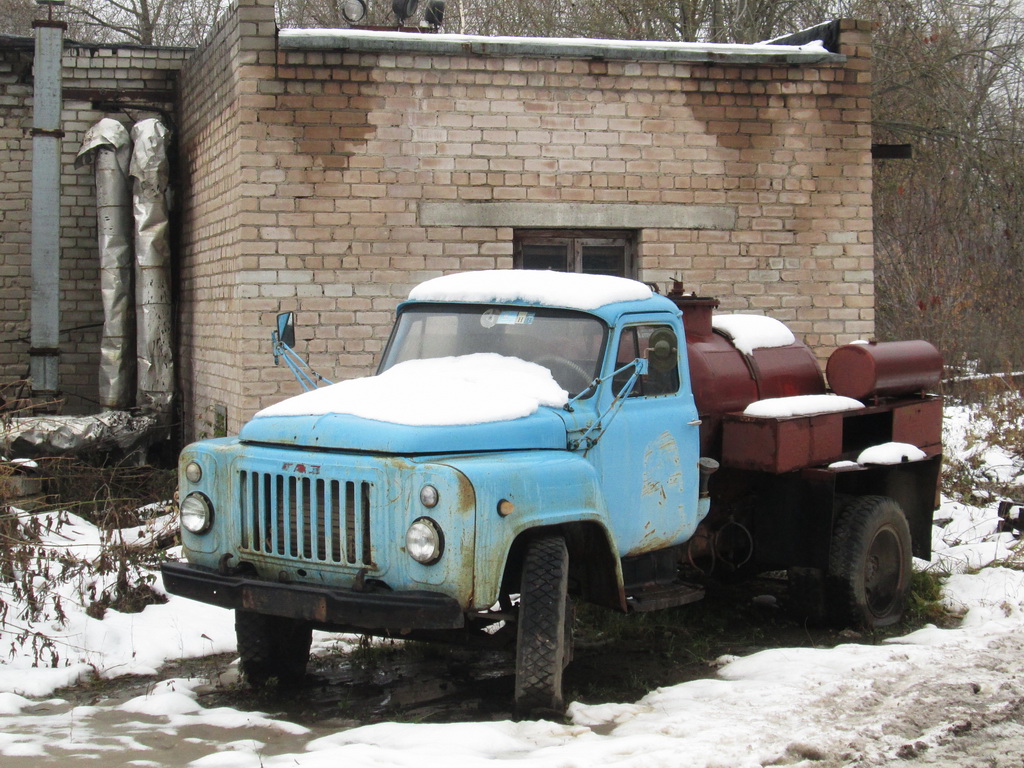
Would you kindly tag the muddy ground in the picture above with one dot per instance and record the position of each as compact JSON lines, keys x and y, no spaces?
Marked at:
{"x":616,"y":659}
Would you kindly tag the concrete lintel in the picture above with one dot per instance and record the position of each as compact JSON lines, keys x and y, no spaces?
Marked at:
{"x":577,"y":215}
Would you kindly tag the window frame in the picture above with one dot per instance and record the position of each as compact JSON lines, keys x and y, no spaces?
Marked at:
{"x":640,"y":389}
{"x":575,"y":240}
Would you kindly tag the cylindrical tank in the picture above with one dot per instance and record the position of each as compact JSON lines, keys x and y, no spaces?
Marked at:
{"x":884,"y":369}
{"x":725,"y":380}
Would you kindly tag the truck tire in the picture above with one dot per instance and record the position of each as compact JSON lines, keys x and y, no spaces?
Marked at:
{"x":272,"y":647}
{"x":544,"y":632}
{"x":870,"y":563}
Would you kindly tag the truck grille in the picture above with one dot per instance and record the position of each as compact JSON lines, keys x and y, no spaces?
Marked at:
{"x":306,"y":518}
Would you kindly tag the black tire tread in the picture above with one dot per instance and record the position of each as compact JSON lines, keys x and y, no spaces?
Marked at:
{"x":544,"y":632}
{"x":857,"y":524}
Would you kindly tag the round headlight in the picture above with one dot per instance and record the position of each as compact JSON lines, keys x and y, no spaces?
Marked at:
{"x":193,"y":472}
{"x":196,"y":513}
{"x":429,"y":496}
{"x":424,"y":541}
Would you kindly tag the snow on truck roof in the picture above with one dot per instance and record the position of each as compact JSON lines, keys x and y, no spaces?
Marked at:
{"x":553,"y":289}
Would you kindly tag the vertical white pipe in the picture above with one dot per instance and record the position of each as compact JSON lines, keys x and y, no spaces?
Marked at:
{"x":46,"y":138}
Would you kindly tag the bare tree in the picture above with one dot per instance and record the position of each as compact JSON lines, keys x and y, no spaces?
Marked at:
{"x":330,"y":14}
{"x":147,"y":22}
{"x":949,"y":224}
{"x":16,"y":16}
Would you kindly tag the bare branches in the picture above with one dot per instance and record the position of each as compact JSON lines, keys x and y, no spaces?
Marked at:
{"x":146,"y":22}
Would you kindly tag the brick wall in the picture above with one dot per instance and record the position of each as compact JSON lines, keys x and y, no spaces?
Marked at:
{"x":96,"y":80}
{"x":330,"y":181}
{"x":220,"y":313}
{"x":362,"y":173}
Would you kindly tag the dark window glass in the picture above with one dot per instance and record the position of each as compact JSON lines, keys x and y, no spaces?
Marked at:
{"x":604,"y":260}
{"x":541,"y":256}
{"x":569,"y":344}
{"x":659,"y":346}
{"x":594,"y":252}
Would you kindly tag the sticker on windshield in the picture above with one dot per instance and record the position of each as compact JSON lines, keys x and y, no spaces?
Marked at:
{"x":493,"y":317}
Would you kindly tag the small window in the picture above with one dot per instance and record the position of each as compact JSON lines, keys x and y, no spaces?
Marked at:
{"x":658,"y":345}
{"x":594,"y":252}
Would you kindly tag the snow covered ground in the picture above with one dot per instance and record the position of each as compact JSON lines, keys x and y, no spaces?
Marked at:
{"x":945,"y":697}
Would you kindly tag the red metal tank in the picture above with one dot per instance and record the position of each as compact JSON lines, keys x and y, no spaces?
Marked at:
{"x":884,"y":369}
{"x":726,"y":380}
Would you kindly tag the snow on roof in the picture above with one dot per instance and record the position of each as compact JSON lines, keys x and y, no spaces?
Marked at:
{"x":444,"y":391}
{"x":554,"y":289}
{"x":890,"y":453}
{"x":366,"y":39}
{"x":801,"y":405}
{"x":750,"y":332}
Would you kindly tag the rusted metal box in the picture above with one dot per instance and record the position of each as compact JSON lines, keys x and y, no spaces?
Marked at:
{"x":920,"y":424}
{"x":781,"y":444}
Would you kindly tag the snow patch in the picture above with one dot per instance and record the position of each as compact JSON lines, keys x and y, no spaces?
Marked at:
{"x":555,"y":43}
{"x":891,"y":453}
{"x":750,"y":332}
{"x":530,"y":286}
{"x":443,"y":391}
{"x":801,"y":405}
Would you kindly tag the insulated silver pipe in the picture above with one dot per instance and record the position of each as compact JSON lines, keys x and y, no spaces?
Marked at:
{"x":155,"y":345}
{"x":108,"y":146}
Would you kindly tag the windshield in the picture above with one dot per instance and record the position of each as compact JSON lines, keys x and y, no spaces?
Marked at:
{"x":569,"y":344}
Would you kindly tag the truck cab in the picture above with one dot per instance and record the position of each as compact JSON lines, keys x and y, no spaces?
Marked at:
{"x":529,"y":439}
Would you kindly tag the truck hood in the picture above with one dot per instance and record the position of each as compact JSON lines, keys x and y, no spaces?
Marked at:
{"x":468,"y":403}
{"x":543,"y":429}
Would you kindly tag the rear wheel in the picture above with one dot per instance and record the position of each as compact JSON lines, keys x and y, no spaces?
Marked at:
{"x":870,"y":563}
{"x":544,"y":642}
{"x":272,"y":647}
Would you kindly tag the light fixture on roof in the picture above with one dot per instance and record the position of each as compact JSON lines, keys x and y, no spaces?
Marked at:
{"x":434,"y":13}
{"x":404,"y":9}
{"x":354,"y":11}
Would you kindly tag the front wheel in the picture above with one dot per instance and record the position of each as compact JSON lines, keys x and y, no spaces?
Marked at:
{"x":272,"y":647}
{"x":544,"y":641}
{"x":870,"y":563}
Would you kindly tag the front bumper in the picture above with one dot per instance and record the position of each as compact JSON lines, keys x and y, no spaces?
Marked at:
{"x":339,"y":608}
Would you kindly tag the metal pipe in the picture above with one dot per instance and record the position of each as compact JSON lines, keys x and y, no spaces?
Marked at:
{"x":44,"y":351}
{"x":108,"y":146}
{"x":154,"y":345}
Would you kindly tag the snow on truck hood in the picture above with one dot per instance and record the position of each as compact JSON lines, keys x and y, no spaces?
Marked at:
{"x":444,"y":391}
{"x":437,"y":405}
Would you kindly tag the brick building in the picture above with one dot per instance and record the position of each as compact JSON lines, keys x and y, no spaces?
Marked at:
{"x":328,"y":173}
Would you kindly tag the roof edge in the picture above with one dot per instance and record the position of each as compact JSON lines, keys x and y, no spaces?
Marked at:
{"x":372,"y":41}
{"x":826,"y":32}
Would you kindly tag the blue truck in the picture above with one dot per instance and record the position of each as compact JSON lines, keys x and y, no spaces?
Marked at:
{"x":532,"y":439}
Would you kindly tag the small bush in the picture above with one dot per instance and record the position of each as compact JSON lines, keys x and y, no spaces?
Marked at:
{"x":925,"y":605}
{"x":45,"y":564}
{"x":971,"y":475}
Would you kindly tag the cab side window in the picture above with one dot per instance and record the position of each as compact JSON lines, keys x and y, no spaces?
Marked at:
{"x":659,"y":346}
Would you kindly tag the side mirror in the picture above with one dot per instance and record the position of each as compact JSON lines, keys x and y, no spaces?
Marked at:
{"x":286,"y":328}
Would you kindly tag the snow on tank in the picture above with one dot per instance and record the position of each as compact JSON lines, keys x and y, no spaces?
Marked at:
{"x":750,"y":332}
{"x":552,"y":289}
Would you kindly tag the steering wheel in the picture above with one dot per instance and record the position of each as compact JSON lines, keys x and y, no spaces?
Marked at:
{"x":575,"y":370}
